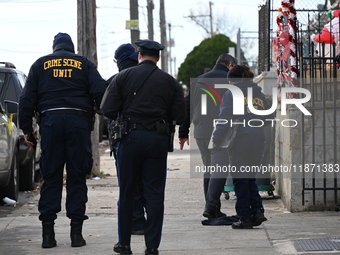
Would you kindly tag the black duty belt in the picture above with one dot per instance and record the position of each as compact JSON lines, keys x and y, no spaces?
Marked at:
{"x":138,"y":126}
{"x":66,"y":111}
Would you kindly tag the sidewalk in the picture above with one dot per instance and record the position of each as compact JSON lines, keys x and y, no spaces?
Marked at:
{"x":183,"y":233}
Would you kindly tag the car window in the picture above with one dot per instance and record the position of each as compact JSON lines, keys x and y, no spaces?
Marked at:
{"x":2,"y":79}
{"x":7,"y":88}
{"x":22,"y":80}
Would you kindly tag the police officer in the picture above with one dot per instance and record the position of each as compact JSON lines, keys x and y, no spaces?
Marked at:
{"x":126,"y":57}
{"x":149,"y":99}
{"x":204,"y":127}
{"x":62,"y":88}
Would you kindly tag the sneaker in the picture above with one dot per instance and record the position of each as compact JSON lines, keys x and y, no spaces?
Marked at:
{"x":258,"y":218}
{"x":245,"y":224}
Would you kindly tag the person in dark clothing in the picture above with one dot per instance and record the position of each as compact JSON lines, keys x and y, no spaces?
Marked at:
{"x":248,"y":146}
{"x":126,"y":57}
{"x":63,"y":88}
{"x":148,"y":99}
{"x":204,"y":122}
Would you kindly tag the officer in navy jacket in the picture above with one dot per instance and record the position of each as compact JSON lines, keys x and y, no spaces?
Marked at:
{"x":248,"y":146}
{"x":63,"y":88}
{"x":148,"y":109}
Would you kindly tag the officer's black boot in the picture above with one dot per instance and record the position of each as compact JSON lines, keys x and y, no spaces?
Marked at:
{"x":48,"y":235}
{"x":77,"y":239}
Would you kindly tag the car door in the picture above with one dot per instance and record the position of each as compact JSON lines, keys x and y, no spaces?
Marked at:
{"x":6,"y":126}
{"x":4,"y":141}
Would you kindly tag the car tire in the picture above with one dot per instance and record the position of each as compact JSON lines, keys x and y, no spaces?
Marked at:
{"x":27,"y":175}
{"x":12,"y":190}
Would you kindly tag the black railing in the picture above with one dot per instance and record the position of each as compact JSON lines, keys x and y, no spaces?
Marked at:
{"x":318,"y":71}
{"x":264,"y":62}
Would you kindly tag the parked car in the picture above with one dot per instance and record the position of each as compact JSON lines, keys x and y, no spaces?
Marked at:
{"x":9,"y":138}
{"x":12,"y":82}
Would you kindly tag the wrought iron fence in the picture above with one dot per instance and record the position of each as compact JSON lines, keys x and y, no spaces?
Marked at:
{"x":264,"y":62}
{"x":318,"y":71}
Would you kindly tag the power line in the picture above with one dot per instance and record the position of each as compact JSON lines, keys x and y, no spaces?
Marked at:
{"x":32,"y":21}
{"x":114,"y":7}
{"x":28,"y":2}
{"x":19,"y":51}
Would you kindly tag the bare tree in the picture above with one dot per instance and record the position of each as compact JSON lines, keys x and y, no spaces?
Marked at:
{"x":222,"y":24}
{"x":212,"y":24}
{"x":203,"y":18}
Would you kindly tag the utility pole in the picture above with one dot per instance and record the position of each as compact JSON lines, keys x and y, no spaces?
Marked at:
{"x":150,"y":18}
{"x":175,"y":69}
{"x":171,"y":43}
{"x":86,"y":29}
{"x":211,"y":19}
{"x":169,"y":46}
{"x":164,"y":55}
{"x":239,"y":47}
{"x":87,"y":46}
{"x":135,"y":34}
{"x":198,"y":21}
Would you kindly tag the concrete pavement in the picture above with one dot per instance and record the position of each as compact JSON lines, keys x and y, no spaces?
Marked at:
{"x":183,"y":233}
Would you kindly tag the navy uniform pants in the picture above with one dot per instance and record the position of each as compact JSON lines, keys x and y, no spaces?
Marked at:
{"x":202,"y":144}
{"x":65,"y":140}
{"x":142,"y":160}
{"x":247,"y":151}
{"x":138,"y":221}
{"x":219,"y":159}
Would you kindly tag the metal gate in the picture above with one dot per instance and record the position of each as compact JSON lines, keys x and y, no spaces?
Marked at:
{"x":318,"y":71}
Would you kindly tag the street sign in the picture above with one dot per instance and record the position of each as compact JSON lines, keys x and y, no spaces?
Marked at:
{"x":132,"y":24}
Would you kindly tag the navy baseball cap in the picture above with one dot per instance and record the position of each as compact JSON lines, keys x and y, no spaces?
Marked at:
{"x":149,"y":46}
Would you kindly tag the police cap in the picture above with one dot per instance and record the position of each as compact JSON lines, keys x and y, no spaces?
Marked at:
{"x":149,"y":46}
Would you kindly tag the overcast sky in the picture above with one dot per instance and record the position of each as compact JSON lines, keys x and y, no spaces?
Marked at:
{"x":28,"y":26}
